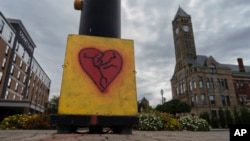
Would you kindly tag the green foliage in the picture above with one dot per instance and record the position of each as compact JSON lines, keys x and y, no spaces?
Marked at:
{"x":23,"y":121}
{"x":194,"y":123}
{"x":237,"y":116}
{"x":170,"y":122}
{"x":150,"y":122}
{"x":53,"y":105}
{"x":222,"y":118}
{"x":173,"y":107}
{"x":214,"y":119}
{"x":229,"y":117}
{"x":205,"y":115}
{"x":244,"y":115}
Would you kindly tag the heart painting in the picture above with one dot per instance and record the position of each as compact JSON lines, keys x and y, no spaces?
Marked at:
{"x":101,"y":67}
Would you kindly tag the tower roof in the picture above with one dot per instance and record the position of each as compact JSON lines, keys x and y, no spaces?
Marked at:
{"x":181,"y":13}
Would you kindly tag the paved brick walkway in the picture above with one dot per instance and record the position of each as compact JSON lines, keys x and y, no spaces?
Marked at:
{"x":50,"y":135}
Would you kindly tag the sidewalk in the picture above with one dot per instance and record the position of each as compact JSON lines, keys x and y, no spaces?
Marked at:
{"x":50,"y":135}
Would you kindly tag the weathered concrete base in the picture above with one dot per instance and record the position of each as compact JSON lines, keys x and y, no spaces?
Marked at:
{"x":70,"y":123}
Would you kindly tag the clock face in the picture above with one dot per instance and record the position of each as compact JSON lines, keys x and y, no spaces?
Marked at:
{"x":185,"y":28}
{"x":177,"y":30}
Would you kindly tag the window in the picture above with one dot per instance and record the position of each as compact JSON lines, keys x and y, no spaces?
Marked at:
{"x":22,"y":90}
{"x":212,"y":99}
{"x":212,"y":82}
{"x":6,"y":95}
{"x":192,"y":101}
{"x":223,"y":100}
{"x":184,"y":87}
{"x":12,"y":69}
{"x":17,"y":46}
{"x":219,"y":83}
{"x":21,"y":64}
{"x":23,"y":54}
{"x":228,"y":100}
{"x":14,"y":58}
{"x":208,"y":83}
{"x":181,"y":86}
{"x":10,"y":37}
{"x":203,"y":99}
{"x":1,"y":26}
{"x":16,"y":86}
{"x":24,"y":78}
{"x":197,"y":99}
{"x":7,"y":50}
{"x":9,"y":82}
{"x":1,"y":75}
{"x":201,"y":83}
{"x":226,"y":85}
{"x":177,"y":90}
{"x":195,"y":85}
{"x":18,"y":75}
{"x":14,"y":97}
{"x":241,"y":83}
{"x":191,"y":85}
{"x":4,"y":62}
{"x":26,"y":68}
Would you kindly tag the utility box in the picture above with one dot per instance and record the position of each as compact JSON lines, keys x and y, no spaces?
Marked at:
{"x":98,"y":77}
{"x":98,"y":86}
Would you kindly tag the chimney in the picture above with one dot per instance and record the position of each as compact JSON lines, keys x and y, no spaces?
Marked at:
{"x":241,"y":65}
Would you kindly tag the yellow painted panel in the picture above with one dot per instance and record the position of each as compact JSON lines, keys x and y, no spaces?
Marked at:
{"x":98,"y":77}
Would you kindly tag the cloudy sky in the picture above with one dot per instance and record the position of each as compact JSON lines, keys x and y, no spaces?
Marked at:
{"x":221,"y":29}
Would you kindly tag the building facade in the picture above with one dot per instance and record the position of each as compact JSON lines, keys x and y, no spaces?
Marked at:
{"x":24,"y":86}
{"x":201,"y":81}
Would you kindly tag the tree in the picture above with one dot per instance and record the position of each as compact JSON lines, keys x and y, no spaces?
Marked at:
{"x":245,"y":115}
{"x":229,"y":117}
{"x":222,"y":118}
{"x":143,"y":105}
{"x":205,"y":115}
{"x":214,"y":119}
{"x":237,"y":117}
{"x":53,"y":105}
{"x":174,"y":106}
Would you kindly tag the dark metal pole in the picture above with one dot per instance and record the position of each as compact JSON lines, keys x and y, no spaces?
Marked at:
{"x":101,"y":18}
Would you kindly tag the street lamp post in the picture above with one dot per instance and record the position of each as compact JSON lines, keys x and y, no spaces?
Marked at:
{"x":162,"y":100}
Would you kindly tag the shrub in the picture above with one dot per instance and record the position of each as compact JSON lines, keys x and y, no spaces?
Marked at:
{"x":244,"y":115}
{"x":174,"y":106}
{"x":194,"y":123}
{"x":23,"y":121}
{"x":170,"y":122}
{"x":205,"y":115}
{"x":214,"y":119}
{"x":150,"y":122}
{"x":222,"y":118}
{"x":237,"y":118}
{"x":229,"y":117}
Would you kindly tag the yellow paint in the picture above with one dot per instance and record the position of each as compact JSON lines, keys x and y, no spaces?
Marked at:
{"x":79,"y":94}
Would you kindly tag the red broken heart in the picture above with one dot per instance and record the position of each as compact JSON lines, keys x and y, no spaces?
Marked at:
{"x":101,"y":67}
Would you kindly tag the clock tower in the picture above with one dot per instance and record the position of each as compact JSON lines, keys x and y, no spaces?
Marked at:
{"x":183,"y":39}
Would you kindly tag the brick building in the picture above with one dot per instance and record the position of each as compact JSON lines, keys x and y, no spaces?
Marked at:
{"x":201,"y":81}
{"x":24,"y":86}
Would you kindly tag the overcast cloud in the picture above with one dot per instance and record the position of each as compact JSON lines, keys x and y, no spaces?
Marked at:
{"x":221,"y":29}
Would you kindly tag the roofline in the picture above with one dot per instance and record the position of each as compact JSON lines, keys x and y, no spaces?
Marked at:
{"x":33,"y":58}
{"x":13,"y":29}
{"x":19,"y":22}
